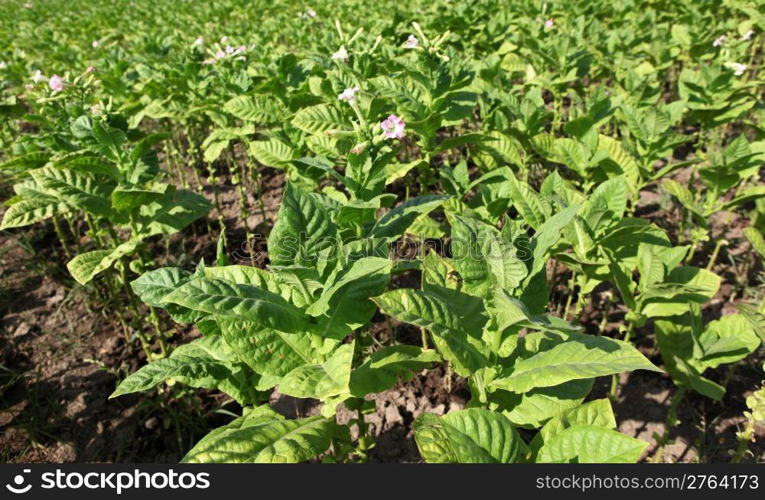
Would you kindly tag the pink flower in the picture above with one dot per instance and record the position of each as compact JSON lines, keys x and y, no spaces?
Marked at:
{"x":719,"y":41}
{"x":90,"y":69}
{"x":220,"y":54}
{"x":549,"y":23}
{"x":747,"y":36}
{"x":393,"y":127}
{"x":56,"y":83}
{"x":412,"y":42}
{"x":348,"y":95}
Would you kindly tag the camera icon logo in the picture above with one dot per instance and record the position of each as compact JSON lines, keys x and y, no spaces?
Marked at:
{"x":18,"y":481}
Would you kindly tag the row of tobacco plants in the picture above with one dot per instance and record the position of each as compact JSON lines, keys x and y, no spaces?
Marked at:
{"x":520,"y":148}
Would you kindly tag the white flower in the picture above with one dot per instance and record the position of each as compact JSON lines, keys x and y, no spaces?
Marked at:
{"x":223,"y":39}
{"x":348,"y":95}
{"x":94,"y":44}
{"x":311,"y":13}
{"x":412,"y":42}
{"x":96,"y":110}
{"x":37,"y":76}
{"x":719,"y":41}
{"x":340,"y":55}
{"x":198,"y":42}
{"x":738,"y":68}
{"x":3,"y":65}
{"x":747,"y":36}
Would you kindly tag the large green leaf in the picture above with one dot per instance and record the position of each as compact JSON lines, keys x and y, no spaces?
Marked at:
{"x":582,"y":356}
{"x":683,"y":285}
{"x":321,"y":381}
{"x":597,"y":413}
{"x":268,"y":351}
{"x":583,"y":443}
{"x":273,"y":153}
{"x":206,"y":362}
{"x":152,"y":286}
{"x":303,"y":229}
{"x":468,"y":436}
{"x":393,"y":224}
{"x":320,"y":118}
{"x":239,"y":302}
{"x":344,"y":304}
{"x":535,"y":407}
{"x":29,"y":211}
{"x":79,"y":190}
{"x":262,"y":436}
{"x":383,"y":368}
{"x":455,"y":319}
{"x":85,"y":266}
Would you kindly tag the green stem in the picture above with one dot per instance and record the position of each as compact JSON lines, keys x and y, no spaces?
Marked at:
{"x":670,"y":424}
{"x":720,"y":243}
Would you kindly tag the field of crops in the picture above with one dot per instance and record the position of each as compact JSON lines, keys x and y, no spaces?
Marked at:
{"x":422,"y":231}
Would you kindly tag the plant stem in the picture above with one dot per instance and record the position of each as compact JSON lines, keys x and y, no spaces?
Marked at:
{"x":670,"y":424}
{"x":720,"y":243}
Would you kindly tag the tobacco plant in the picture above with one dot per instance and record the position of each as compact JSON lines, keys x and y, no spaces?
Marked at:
{"x":301,"y":325}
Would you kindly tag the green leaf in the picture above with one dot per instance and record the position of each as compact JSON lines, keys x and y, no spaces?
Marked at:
{"x":206,"y":362}
{"x":258,"y":108}
{"x":320,"y":118}
{"x":582,"y":356}
{"x":29,"y":211}
{"x":506,"y":269}
{"x":321,"y":381}
{"x":455,"y":319}
{"x":85,"y":266}
{"x":683,"y":285}
{"x":752,"y":234}
{"x":394,"y":224}
{"x":239,"y":302}
{"x":682,"y":193}
{"x":535,"y":407}
{"x":303,"y":229}
{"x":125,"y":199}
{"x":548,"y":235}
{"x":266,"y":351}
{"x":272,"y":153}
{"x":468,"y":436}
{"x":77,"y":189}
{"x":591,"y":444}
{"x":527,"y":202}
{"x":344,"y":303}
{"x":383,"y":368}
{"x":172,"y":213}
{"x":598,"y":413}
{"x":263,"y":438}
{"x":627,"y":165}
